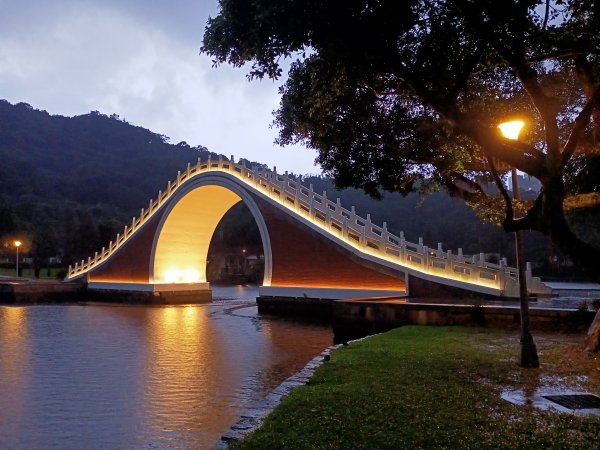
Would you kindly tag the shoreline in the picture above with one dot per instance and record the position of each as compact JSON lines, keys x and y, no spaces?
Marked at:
{"x":252,"y":418}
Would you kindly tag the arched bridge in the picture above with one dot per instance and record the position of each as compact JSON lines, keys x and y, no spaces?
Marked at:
{"x":313,"y":247}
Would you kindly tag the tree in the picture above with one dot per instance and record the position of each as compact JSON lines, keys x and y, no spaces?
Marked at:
{"x":399,"y":95}
{"x":83,"y":240}
{"x":8,"y":224}
{"x":44,"y":245}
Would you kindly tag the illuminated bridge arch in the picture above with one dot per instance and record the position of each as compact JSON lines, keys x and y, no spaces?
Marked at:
{"x":180,"y":246}
{"x":313,"y":247}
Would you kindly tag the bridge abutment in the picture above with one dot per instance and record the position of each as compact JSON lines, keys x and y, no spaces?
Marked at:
{"x":149,"y":294}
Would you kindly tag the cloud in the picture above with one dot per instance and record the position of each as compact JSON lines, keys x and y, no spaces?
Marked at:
{"x":140,"y":60}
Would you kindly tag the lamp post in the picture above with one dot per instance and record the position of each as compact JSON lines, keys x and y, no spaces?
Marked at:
{"x":244,"y":261}
{"x":17,"y":245}
{"x":529,"y":356}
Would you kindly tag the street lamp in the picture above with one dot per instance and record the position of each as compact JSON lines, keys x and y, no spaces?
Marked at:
{"x":510,"y":130}
{"x":529,"y":356}
{"x":17,"y":245}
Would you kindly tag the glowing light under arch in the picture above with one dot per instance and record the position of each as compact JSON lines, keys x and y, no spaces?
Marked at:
{"x":181,"y":243}
{"x":183,"y":240}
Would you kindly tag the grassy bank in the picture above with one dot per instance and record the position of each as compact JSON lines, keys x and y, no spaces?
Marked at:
{"x":27,"y":272}
{"x":434,"y":387}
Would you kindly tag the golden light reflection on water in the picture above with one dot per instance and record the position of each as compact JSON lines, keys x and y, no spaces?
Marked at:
{"x":186,"y":369}
{"x":13,"y":328}
{"x":14,"y":352}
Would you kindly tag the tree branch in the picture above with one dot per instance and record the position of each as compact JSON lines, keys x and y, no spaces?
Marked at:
{"x":585,"y":73}
{"x":472,"y":184}
{"x":579,"y":126}
{"x":509,"y":210}
{"x":458,"y":191}
{"x":580,"y":201}
{"x":546,"y":15}
{"x":564,"y":53}
{"x":546,"y":106}
{"x":463,"y":77}
{"x":510,"y":223}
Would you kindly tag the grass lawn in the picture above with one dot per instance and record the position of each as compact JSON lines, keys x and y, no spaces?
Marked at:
{"x":434,"y":387}
{"x":28,"y":272}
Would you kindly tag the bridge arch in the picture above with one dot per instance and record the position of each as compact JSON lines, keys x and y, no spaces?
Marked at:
{"x":313,"y":247}
{"x":182,"y":238}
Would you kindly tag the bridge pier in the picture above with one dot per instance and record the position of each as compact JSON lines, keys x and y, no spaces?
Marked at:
{"x":150,"y":294}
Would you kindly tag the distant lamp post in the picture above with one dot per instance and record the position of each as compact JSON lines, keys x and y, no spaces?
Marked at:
{"x":529,"y":357}
{"x":17,"y":244}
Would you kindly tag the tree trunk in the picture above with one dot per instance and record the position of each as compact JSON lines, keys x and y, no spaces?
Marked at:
{"x":581,"y":253}
{"x":593,"y":336}
{"x":586,"y":258}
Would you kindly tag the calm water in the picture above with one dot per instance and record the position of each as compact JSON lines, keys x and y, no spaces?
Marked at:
{"x":105,"y":376}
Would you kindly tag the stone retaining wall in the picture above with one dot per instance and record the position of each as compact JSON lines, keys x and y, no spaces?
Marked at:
{"x":23,"y":292}
{"x":287,"y":306}
{"x":149,"y":298}
{"x":359,"y":317}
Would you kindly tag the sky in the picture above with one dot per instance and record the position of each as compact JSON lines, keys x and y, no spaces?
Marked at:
{"x":140,"y":59}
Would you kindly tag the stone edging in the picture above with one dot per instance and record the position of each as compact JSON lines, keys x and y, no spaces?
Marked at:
{"x":253,"y":418}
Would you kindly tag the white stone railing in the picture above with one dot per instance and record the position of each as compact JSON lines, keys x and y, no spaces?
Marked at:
{"x":334,"y":219}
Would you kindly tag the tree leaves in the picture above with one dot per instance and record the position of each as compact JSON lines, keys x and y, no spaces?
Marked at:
{"x":395,"y":93}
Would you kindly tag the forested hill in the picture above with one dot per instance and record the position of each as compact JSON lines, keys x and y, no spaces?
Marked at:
{"x":88,"y":159}
{"x":68,"y":184}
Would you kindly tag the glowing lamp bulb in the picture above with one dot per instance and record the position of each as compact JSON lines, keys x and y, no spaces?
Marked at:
{"x":510,"y":130}
{"x":18,"y":244}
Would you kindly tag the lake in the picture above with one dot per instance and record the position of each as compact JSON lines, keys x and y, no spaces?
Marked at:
{"x":118,"y":376}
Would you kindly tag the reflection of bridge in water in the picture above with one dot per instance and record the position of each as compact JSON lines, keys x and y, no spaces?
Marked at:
{"x":313,"y":246}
